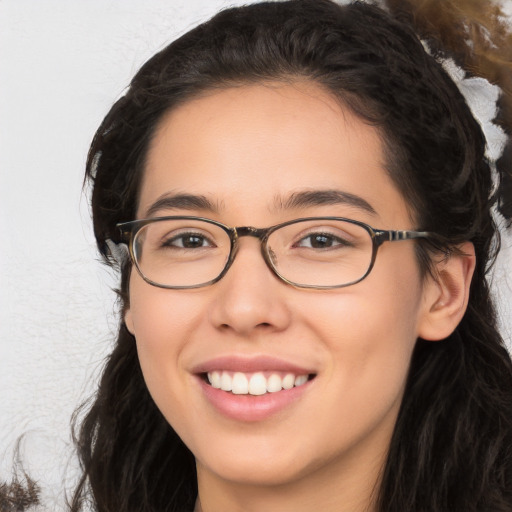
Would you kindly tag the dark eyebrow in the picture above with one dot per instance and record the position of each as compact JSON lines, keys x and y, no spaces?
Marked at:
{"x":181,"y":202}
{"x":323,"y":197}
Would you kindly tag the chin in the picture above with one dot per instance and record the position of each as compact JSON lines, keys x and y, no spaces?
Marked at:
{"x":258,"y":473}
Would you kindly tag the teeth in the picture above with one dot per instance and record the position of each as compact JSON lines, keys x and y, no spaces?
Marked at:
{"x":215,"y":379}
{"x":254,"y":384}
{"x":240,"y":384}
{"x":274,"y":383}
{"x":301,"y":379}
{"x":289,"y":381}
{"x":226,"y":382}
{"x":257,"y":384}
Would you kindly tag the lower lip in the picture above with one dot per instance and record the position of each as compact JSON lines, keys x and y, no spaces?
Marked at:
{"x":250,"y":408}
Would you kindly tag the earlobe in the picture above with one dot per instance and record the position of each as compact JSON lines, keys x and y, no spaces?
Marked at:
{"x":446,"y":294}
{"x":128,"y":321}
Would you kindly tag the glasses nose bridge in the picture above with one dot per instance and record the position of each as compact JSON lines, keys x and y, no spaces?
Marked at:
{"x":260,"y":233}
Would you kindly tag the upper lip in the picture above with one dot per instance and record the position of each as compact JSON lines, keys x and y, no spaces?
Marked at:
{"x":250,"y":365}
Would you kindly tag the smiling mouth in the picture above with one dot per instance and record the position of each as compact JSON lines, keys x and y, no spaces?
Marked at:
{"x":259,"y":383}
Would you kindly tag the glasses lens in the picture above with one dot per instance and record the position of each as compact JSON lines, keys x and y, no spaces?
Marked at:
{"x":181,"y":252}
{"x":321,"y":252}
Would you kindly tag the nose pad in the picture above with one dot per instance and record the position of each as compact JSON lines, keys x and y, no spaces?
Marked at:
{"x":270,"y":256}
{"x":250,"y":297}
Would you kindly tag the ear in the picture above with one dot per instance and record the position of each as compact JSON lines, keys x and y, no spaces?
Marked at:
{"x":128,"y":321}
{"x":446,"y":294}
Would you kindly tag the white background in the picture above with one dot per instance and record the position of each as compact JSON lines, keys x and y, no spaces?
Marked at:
{"x":62,"y":64}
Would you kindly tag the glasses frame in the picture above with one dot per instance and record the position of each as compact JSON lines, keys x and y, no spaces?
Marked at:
{"x":129,"y":230}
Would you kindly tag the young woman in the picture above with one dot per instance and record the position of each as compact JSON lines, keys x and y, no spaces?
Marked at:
{"x":299,"y":201}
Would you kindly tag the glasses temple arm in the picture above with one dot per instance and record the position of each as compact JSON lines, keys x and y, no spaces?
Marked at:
{"x":382,"y":236}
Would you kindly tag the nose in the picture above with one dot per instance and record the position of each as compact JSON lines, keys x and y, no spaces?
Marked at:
{"x":250,"y":299}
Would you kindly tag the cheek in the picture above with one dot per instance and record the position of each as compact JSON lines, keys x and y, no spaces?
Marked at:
{"x":370,"y":331}
{"x":160,"y":318}
{"x":162,"y":322}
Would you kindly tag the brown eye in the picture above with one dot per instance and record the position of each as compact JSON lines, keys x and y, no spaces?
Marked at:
{"x":188,"y":241}
{"x":321,"y":241}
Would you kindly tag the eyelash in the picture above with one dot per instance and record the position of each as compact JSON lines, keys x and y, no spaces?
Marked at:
{"x":342,"y":242}
{"x":169,"y":242}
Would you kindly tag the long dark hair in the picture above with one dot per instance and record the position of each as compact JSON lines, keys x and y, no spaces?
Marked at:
{"x":452,"y":445}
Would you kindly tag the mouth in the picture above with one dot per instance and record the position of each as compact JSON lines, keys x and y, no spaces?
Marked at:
{"x":255,"y":383}
{"x":253,"y":389}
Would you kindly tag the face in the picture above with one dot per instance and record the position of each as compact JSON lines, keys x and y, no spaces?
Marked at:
{"x":247,"y":150}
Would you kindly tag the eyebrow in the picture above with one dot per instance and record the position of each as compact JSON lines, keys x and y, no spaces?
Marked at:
{"x":303,"y":199}
{"x":309,"y":198}
{"x":182,"y":202}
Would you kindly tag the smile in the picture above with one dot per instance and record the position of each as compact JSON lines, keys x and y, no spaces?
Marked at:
{"x":239,"y":383}
{"x":251,"y":389}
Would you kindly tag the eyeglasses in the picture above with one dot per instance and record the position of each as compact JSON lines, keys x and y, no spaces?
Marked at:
{"x":315,"y":252}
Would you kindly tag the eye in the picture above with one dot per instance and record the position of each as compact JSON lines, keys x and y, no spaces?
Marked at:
{"x":188,"y":241}
{"x":322,"y":241}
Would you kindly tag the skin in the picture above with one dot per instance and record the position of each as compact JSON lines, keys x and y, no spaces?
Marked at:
{"x":240,"y":147}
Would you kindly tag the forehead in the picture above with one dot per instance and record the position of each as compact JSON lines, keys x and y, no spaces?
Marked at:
{"x":253,"y":146}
